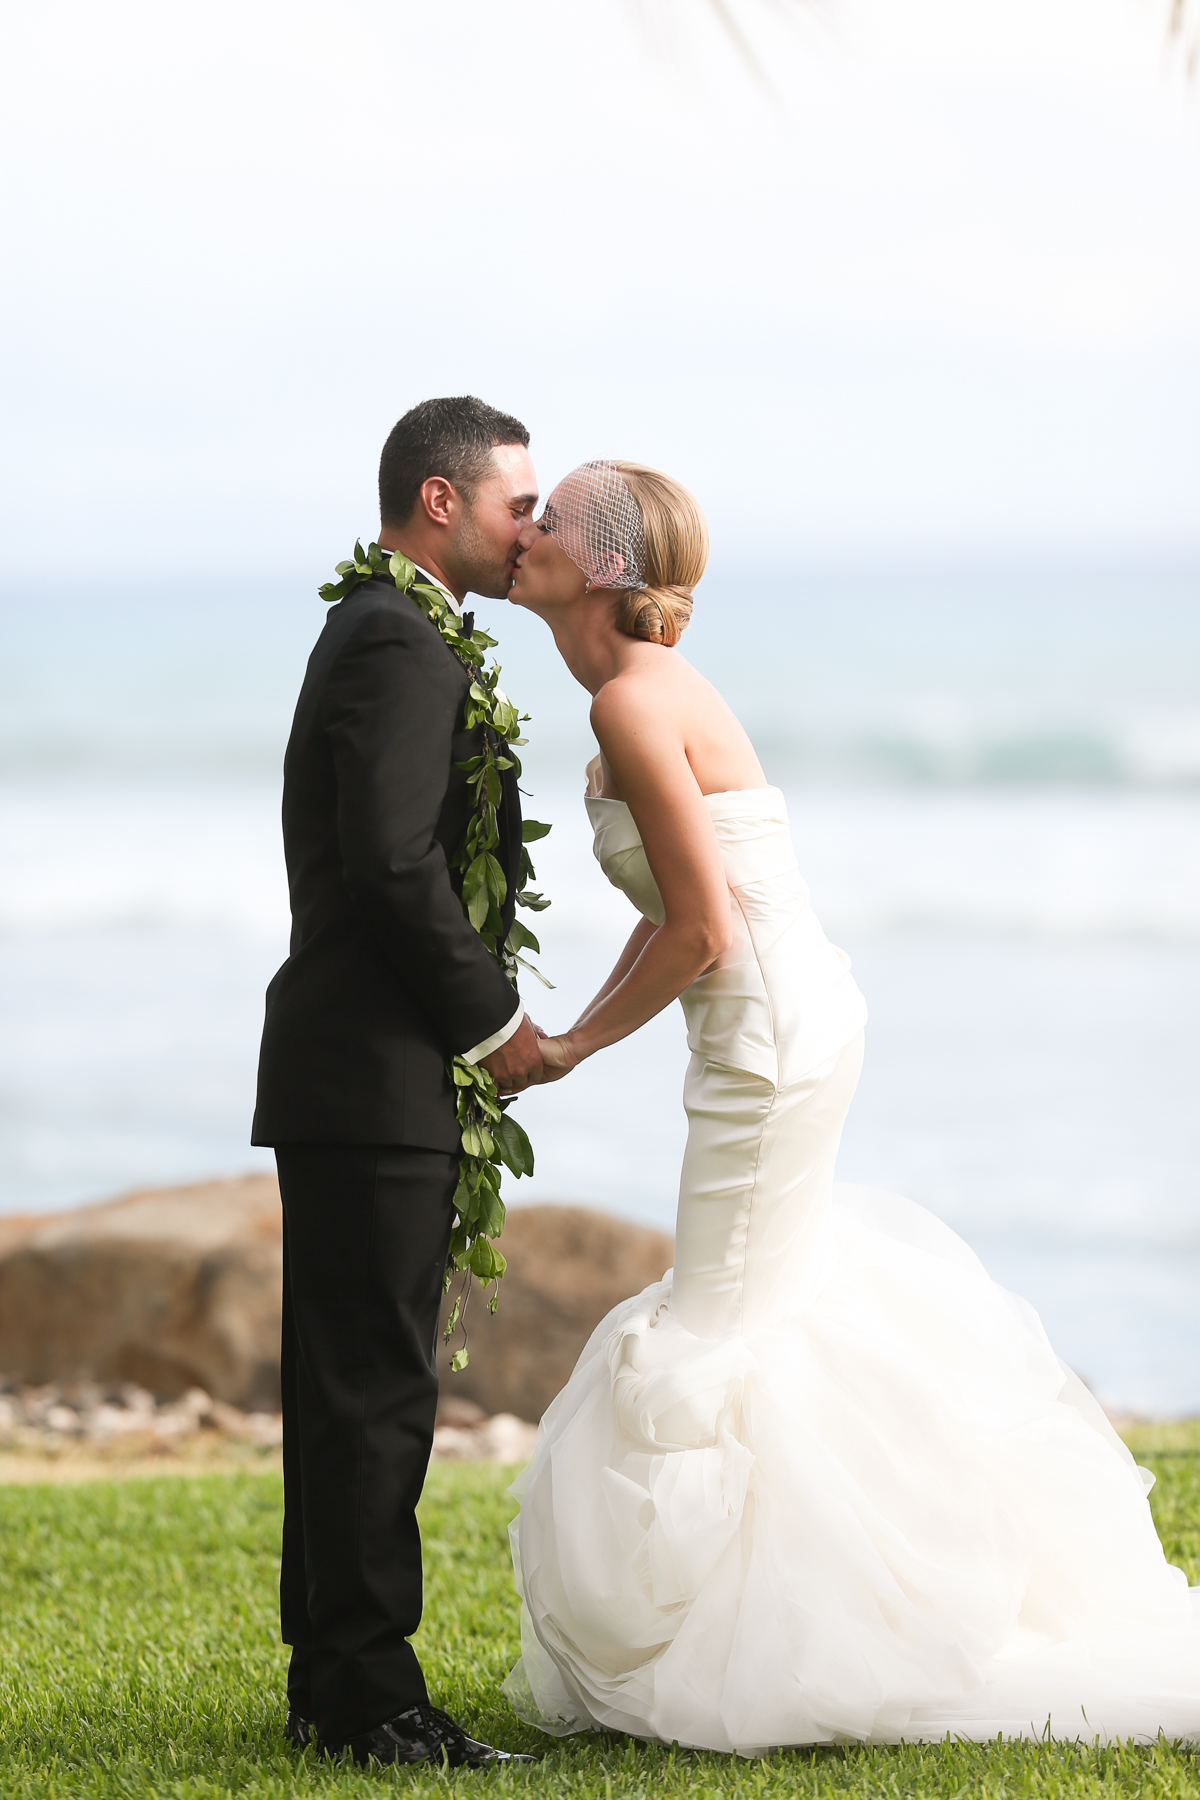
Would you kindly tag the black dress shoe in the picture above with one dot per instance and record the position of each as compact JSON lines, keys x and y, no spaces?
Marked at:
{"x":426,"y":1734}
{"x":298,"y":1730}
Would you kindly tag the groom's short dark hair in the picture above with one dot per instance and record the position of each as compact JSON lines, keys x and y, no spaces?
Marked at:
{"x":452,"y":438}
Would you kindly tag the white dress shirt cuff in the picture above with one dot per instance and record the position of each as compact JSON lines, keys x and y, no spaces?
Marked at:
{"x":497,"y":1038}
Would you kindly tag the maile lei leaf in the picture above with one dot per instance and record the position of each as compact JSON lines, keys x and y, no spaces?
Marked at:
{"x":491,"y":1140}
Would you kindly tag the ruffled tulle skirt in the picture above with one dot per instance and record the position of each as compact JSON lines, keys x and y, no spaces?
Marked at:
{"x":889,"y":1513}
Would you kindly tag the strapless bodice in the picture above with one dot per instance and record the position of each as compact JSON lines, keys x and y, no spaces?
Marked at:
{"x":781,"y":999}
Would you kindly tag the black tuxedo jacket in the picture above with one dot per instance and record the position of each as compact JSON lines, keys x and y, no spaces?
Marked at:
{"x":386,"y":977}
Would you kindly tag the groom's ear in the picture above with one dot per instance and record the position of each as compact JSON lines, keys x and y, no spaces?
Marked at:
{"x":439,"y":500}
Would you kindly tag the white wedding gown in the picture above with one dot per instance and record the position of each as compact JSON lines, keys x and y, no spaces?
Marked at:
{"x":826,"y":1481}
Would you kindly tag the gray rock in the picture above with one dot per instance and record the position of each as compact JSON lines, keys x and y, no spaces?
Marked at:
{"x":178,"y":1289}
{"x":567,"y":1268}
{"x":166,"y":1290}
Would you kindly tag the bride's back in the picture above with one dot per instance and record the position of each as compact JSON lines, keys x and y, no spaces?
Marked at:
{"x":664,"y":686}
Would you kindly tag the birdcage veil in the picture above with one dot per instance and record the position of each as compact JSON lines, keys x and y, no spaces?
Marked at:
{"x":598,"y":522}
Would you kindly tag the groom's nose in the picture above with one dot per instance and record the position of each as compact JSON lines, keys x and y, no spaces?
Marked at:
{"x":526,"y":534}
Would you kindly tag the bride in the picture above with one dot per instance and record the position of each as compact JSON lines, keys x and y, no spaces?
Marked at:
{"x":825,"y":1481}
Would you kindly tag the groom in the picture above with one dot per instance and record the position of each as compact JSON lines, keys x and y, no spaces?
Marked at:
{"x":386,"y":979}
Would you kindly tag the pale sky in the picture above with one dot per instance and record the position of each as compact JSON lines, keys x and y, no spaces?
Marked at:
{"x":945,"y":302}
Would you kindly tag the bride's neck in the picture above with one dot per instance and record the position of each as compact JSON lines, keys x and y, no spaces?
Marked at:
{"x":588,"y":640}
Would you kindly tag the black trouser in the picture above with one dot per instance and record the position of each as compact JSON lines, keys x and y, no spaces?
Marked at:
{"x":365,"y":1233}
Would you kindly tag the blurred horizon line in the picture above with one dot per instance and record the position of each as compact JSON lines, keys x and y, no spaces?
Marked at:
{"x":1174,"y":561}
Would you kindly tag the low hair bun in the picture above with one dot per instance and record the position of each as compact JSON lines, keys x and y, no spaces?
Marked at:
{"x":657,"y":615}
{"x":676,"y":545}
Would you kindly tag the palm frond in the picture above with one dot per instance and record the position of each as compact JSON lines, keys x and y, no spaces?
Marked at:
{"x":727,"y":19}
{"x":1183,"y":29}
{"x":667,"y":25}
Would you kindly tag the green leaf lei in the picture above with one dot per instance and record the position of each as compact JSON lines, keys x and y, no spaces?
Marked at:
{"x":489,"y":1137}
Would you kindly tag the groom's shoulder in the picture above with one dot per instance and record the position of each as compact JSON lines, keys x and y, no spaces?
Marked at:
{"x":378,"y":639}
{"x":377,"y":613}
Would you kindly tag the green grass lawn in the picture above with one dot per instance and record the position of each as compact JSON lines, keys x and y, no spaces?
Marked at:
{"x":139,"y":1655}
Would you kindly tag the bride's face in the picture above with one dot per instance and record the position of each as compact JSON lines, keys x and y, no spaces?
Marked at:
{"x":545,"y":575}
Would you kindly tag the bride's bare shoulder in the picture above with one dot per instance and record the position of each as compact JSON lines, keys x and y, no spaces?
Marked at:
{"x":630,"y":700}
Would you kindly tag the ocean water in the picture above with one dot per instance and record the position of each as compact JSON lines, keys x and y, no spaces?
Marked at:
{"x":994,"y":784}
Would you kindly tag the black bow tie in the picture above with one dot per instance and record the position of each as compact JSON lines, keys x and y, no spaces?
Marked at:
{"x":468,"y":623}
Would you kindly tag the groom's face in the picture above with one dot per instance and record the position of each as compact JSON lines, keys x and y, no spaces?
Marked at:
{"x":486,"y":543}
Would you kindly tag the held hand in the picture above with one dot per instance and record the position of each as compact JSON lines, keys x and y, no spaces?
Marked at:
{"x":517,"y":1064}
{"x":559,"y":1056}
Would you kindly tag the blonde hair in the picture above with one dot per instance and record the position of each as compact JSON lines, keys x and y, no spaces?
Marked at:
{"x":676,"y":553}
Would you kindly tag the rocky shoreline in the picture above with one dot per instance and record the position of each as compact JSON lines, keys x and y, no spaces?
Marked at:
{"x":77,"y":1428}
{"x":84,"y":1413}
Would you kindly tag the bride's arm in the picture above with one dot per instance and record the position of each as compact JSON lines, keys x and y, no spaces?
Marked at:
{"x":639,"y":937}
{"x":647,"y":757}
